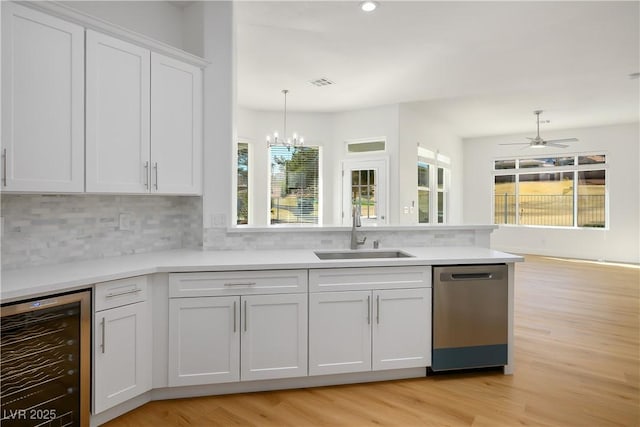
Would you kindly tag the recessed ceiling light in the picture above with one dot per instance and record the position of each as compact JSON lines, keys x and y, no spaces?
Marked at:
{"x":368,"y":6}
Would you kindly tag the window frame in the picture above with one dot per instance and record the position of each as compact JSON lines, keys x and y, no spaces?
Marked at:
{"x":435,"y":161}
{"x":575,"y":168}
{"x":319,"y":215}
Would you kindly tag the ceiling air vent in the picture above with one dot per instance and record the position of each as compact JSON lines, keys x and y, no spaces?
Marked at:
{"x":321,"y":82}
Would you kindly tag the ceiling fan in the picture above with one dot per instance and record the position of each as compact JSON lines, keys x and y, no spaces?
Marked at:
{"x":538,"y":142}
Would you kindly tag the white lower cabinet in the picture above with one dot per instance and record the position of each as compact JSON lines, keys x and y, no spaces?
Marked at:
{"x":401,"y":328}
{"x":218,"y":339}
{"x":274,"y":336}
{"x":339,"y":332}
{"x":204,"y":345}
{"x":121,"y":342}
{"x":364,"y":330}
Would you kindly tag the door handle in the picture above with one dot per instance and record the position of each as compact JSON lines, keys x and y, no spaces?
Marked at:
{"x":234,"y":316}
{"x":4,"y":167}
{"x":155,"y":168}
{"x":146,"y":175}
{"x":245,"y":315}
{"x":102,"y":344}
{"x":368,"y":309}
{"x":378,"y":309}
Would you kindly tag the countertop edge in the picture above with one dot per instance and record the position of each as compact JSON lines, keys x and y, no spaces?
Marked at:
{"x":37,"y":282}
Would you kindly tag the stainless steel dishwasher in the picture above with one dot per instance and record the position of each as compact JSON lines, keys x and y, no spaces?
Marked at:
{"x":470,"y":316}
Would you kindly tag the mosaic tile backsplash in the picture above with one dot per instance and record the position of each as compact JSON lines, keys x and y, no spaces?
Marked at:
{"x":221,"y":239}
{"x":52,"y":229}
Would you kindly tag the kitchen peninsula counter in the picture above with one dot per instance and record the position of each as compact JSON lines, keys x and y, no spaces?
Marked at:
{"x":39,"y":281}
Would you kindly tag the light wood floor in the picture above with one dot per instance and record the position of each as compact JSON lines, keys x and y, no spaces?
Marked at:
{"x":576,"y":364}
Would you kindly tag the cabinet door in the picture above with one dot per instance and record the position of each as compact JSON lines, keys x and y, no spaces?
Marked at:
{"x":274,"y":336}
{"x":401,"y":328}
{"x":122,"y":354}
{"x":117,"y":115}
{"x":339,"y":332}
{"x":204,"y":340}
{"x":176,"y":126}
{"x":42,"y":102}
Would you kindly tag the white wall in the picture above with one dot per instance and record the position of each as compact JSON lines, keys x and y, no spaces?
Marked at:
{"x":618,"y":243}
{"x":159,"y":20}
{"x":420,"y":126}
{"x":254,"y":126}
{"x":327,"y":130}
{"x":371,"y":122}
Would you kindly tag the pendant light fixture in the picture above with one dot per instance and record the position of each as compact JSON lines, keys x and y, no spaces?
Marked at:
{"x":284,"y":140}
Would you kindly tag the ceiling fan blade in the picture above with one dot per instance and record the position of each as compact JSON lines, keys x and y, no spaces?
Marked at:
{"x":550,"y":141}
{"x":553,"y":144}
{"x":516,"y":143}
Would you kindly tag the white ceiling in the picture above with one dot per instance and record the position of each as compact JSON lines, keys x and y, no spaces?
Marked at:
{"x":483,"y":67}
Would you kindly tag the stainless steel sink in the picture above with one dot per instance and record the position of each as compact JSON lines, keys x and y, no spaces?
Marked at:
{"x":361,"y":254}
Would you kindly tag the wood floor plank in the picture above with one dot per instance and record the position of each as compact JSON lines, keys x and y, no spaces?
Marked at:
{"x":577,"y":363}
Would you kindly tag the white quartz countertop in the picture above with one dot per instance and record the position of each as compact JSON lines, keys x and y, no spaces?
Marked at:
{"x":47,"y":280}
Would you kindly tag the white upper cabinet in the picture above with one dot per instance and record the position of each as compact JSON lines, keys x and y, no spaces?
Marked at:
{"x":176,"y":126}
{"x":117,"y":115}
{"x":42,"y":102}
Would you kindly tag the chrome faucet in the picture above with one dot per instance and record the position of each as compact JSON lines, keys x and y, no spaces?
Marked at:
{"x":355,"y":215}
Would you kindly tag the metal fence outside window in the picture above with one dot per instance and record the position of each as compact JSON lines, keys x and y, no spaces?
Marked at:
{"x":551,"y":210}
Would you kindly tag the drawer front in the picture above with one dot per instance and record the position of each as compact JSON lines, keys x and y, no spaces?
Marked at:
{"x":237,"y":283}
{"x":117,"y":293}
{"x":368,"y":278}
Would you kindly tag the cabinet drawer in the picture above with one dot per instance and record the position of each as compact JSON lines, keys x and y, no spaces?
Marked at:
{"x":117,"y":293}
{"x":237,"y":283}
{"x":368,"y":278}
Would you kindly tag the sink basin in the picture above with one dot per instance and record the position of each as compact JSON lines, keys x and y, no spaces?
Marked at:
{"x":362,"y":254}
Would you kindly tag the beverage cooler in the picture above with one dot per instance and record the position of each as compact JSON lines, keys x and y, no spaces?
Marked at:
{"x":45,"y":361}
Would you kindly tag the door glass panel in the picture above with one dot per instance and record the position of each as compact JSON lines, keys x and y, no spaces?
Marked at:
{"x":363,"y":192}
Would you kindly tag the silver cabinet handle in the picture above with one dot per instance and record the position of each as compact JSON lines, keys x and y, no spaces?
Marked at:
{"x":118,"y":294}
{"x":146,"y":175}
{"x":4,"y":167}
{"x":240,"y":284}
{"x":245,"y":315}
{"x":234,"y":316}
{"x":103,"y":339}
{"x":378,"y":309}
{"x":155,"y":168}
{"x":368,"y":309}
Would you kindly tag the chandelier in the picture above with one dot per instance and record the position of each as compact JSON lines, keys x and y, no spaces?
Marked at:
{"x":284,"y":140}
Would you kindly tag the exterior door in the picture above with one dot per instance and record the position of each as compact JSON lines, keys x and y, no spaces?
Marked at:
{"x":364,"y":184}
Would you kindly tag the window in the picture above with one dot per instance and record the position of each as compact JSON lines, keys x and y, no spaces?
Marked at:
{"x":433,"y":187}
{"x":294,"y":185}
{"x":564,"y":191}
{"x":366,"y":146}
{"x":242,"y":184}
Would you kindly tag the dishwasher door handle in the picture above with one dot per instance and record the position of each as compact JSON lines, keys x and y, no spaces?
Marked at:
{"x":452,"y":277}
